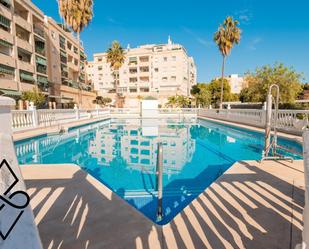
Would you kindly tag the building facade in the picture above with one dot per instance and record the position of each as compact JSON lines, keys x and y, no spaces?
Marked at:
{"x":236,"y":82}
{"x":32,"y":56}
{"x":158,"y":71}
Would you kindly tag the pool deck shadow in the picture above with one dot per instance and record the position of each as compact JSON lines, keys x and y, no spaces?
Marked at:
{"x":251,"y":205}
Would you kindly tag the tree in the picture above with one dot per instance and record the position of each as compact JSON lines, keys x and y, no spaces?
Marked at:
{"x":288,"y":80}
{"x":99,"y":100}
{"x":227,"y":35}
{"x":116,"y":57}
{"x":180,"y":101}
{"x":35,"y":96}
{"x":215,"y":89}
{"x":201,"y":94}
{"x":77,"y":14}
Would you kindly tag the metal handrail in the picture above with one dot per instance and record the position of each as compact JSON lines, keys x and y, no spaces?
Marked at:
{"x":159,"y":187}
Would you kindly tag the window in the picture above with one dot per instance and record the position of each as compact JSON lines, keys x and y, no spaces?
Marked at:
{"x":5,"y":48}
{"x":134,"y":151}
{"x":5,"y":24}
{"x":7,"y":72}
{"x":165,"y":59}
{"x":145,"y":152}
{"x":100,"y":68}
{"x":133,"y":80}
{"x":53,"y":35}
{"x":134,"y":142}
{"x":24,"y":55}
{"x":173,"y":78}
{"x":99,"y":59}
{"x":164,"y":79}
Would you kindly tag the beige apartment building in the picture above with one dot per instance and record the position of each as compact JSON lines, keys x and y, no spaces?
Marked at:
{"x":236,"y":82}
{"x":158,"y":71}
{"x":36,"y":52}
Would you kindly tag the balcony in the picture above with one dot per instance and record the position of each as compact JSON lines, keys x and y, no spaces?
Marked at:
{"x":6,"y":13}
{"x":40,"y":47}
{"x":7,"y":77}
{"x":10,"y":84}
{"x":73,"y":66}
{"x":5,"y":54}
{"x":20,"y":21}
{"x":26,"y":77}
{"x":38,"y":30}
{"x":43,"y":83}
{"x":24,"y":44}
{"x":6,"y":36}
{"x":25,"y":66}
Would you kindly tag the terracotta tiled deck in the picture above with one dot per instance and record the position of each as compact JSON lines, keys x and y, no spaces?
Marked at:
{"x":251,"y":206}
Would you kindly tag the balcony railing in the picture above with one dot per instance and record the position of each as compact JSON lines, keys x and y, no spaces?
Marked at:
{"x":38,"y":30}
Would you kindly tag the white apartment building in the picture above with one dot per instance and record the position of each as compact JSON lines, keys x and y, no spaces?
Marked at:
{"x":139,"y":151}
{"x":159,"y":71}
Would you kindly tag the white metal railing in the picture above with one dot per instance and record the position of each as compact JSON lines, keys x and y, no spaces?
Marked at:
{"x":291,"y":121}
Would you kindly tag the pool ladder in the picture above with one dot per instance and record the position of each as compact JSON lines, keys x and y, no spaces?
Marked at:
{"x":271,"y":144}
{"x":159,"y":183}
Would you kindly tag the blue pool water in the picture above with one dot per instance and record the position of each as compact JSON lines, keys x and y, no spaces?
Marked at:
{"x":122,"y":155}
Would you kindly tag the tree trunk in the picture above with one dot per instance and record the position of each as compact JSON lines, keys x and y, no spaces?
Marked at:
{"x":80,"y":97}
{"x":222,"y":81}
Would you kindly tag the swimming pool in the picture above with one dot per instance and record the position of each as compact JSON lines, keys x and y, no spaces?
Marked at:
{"x":122,"y":155}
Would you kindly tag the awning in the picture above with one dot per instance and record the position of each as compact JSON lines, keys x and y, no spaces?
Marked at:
{"x":26,"y":76}
{"x":63,"y":53}
{"x":66,"y":100}
{"x":132,"y":59}
{"x":6,"y":69}
{"x":54,"y":96}
{"x":5,"y":22}
{"x":5,"y":43}
{"x":5,"y":92}
{"x":8,"y":2}
{"x":42,"y":80}
{"x":41,"y":61}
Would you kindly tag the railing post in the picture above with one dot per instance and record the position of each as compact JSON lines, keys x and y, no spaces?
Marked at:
{"x":6,"y":105}
{"x":34,"y":114}
{"x":263,"y":114}
{"x":76,"y":112}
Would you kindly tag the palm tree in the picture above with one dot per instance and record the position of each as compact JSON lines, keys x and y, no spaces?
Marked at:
{"x":226,"y":36}
{"x":116,"y":57}
{"x":77,"y":14}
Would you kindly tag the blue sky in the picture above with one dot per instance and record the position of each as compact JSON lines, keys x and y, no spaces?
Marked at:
{"x":272,"y":31}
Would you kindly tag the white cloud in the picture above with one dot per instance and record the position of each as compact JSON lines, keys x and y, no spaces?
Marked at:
{"x":197,"y":38}
{"x":254,"y":42}
{"x":244,"y":16}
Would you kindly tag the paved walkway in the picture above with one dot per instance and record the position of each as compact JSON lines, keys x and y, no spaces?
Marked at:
{"x":251,"y":206}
